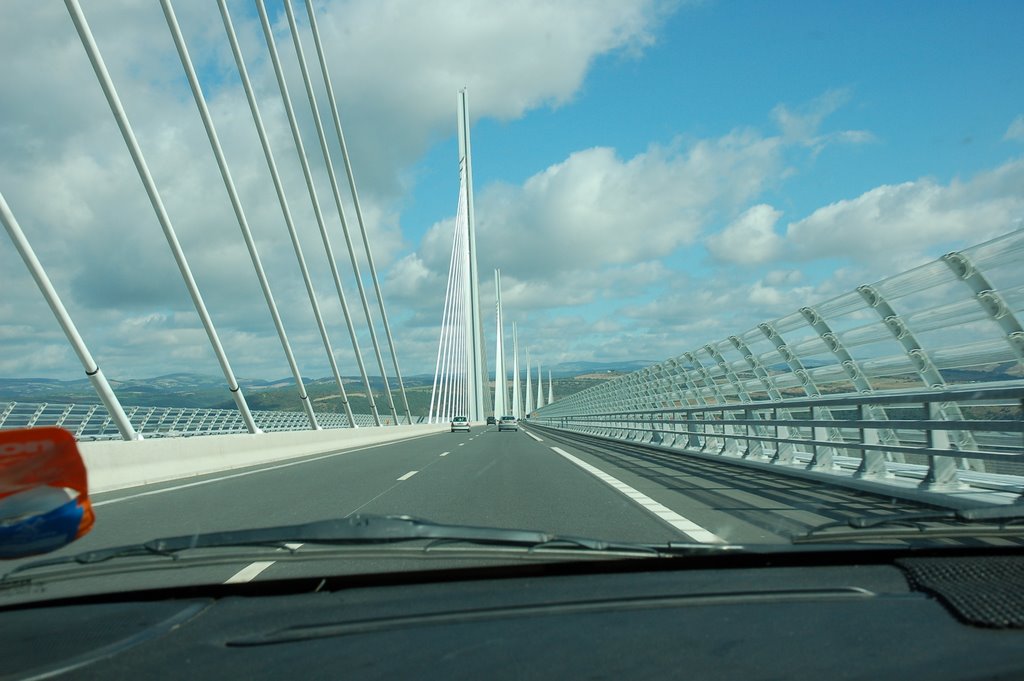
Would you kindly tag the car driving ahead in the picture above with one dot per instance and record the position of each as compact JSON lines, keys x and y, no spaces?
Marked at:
{"x":460,"y":423}
{"x":508,"y":423}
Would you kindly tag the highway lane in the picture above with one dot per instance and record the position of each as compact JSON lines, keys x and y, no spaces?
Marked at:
{"x":483,"y":478}
{"x":548,"y":481}
{"x":739,"y":504}
{"x":506,"y":479}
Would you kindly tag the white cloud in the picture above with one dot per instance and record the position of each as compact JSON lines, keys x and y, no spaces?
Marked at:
{"x":567,"y":238}
{"x":592,"y":231}
{"x":1016,"y":130}
{"x":892,"y":226}
{"x":768,"y":300}
{"x":595,"y":209}
{"x":780,"y":277}
{"x":596,"y":230}
{"x":885,"y":230}
{"x":412,"y":58}
{"x":408,"y":278}
{"x":802,"y":126}
{"x":396,"y":68}
{"x":750,"y":238}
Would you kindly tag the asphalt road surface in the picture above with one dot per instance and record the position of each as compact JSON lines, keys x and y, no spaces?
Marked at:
{"x":530,"y":479}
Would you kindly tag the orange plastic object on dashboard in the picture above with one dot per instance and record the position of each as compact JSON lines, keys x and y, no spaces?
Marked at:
{"x":44,"y":492}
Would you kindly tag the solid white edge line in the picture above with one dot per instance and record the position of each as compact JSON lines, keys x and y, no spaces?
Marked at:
{"x":249,"y":572}
{"x":300,"y":461}
{"x":684,"y":525}
{"x":408,"y":475}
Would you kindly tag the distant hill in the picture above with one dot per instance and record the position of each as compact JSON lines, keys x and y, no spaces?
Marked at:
{"x":577,"y":368}
{"x":204,"y":391}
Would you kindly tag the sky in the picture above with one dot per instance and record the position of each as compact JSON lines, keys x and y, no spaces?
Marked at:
{"x":649,"y":176}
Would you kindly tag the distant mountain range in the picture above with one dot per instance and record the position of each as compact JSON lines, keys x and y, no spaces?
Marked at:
{"x":184,"y":383}
{"x":568,"y":369}
{"x":205,"y":391}
{"x":169,"y":390}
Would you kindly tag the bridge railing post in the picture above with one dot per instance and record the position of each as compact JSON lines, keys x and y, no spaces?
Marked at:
{"x":822,"y":457}
{"x":872,"y":463}
{"x":942,"y":470}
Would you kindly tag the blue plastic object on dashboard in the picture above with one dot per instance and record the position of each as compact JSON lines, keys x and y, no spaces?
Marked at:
{"x":44,"y":500}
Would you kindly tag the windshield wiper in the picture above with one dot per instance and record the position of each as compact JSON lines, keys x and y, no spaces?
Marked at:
{"x":988,"y":521}
{"x":353,"y":530}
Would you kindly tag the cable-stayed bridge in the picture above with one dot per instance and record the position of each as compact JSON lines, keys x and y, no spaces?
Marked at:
{"x":910,"y":388}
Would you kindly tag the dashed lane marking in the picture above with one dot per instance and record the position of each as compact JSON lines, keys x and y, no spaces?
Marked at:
{"x":684,"y":525}
{"x":533,"y":436}
{"x":249,"y":572}
{"x":408,"y":475}
{"x":252,"y":570}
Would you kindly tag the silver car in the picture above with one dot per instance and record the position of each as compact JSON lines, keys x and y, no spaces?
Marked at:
{"x":460,"y":423}
{"x":508,"y":423}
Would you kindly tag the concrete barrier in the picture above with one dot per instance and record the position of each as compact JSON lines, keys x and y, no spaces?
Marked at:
{"x":117,"y":464}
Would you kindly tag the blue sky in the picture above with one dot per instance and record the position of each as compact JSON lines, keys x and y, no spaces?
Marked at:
{"x":650,"y":176}
{"x":932,"y":88}
{"x":936,"y":83}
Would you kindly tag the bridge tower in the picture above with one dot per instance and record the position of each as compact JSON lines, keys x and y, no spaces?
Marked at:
{"x":528,"y":407}
{"x":500,"y":377}
{"x":460,"y":376}
{"x":517,"y":400}
{"x":477,"y":362}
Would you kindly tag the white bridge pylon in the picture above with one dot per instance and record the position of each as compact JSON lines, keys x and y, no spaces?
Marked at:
{"x":501,"y":402}
{"x":460,"y":372}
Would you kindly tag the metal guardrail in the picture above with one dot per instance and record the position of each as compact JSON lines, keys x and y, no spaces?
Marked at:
{"x":899,"y":374}
{"x":878,"y":436}
{"x":93,"y":421}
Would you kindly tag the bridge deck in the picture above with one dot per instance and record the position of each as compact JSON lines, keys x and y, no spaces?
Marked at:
{"x":546,"y":481}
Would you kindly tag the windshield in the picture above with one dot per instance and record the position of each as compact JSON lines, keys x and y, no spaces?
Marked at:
{"x":734,"y":274}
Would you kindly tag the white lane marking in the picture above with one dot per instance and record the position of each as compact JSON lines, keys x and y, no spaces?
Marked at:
{"x":249,"y":572}
{"x":533,"y":436}
{"x":445,"y":453}
{"x":378,"y":496}
{"x":460,"y":444}
{"x":244,"y":473}
{"x":684,"y":525}
{"x":408,"y":475}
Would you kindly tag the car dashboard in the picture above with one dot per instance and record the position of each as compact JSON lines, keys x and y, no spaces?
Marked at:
{"x":755,"y":618}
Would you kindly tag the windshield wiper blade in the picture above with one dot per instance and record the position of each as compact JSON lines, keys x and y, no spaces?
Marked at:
{"x":353,"y":530}
{"x":988,"y":520}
